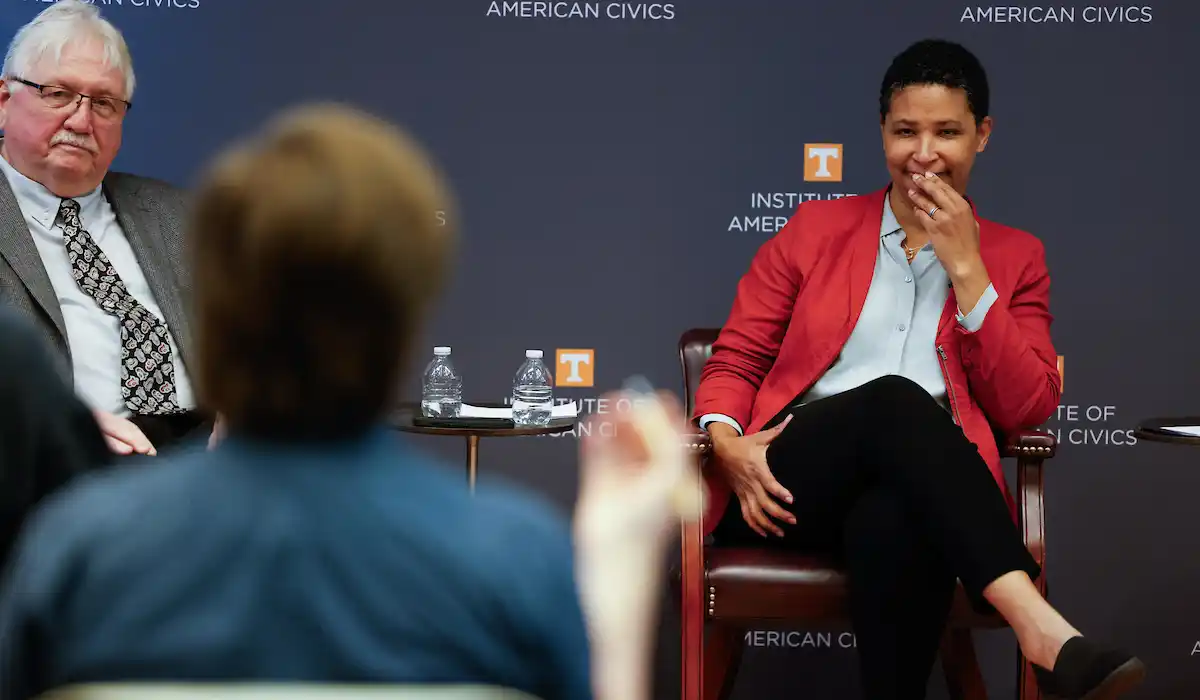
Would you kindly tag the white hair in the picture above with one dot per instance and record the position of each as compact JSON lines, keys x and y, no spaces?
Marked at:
{"x":58,"y":26}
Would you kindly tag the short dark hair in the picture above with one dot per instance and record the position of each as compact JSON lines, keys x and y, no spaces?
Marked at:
{"x":318,"y":249}
{"x":936,"y":62}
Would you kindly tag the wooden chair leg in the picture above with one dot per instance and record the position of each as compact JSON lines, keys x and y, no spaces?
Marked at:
{"x":964,"y":681}
{"x":1027,"y":687}
{"x":692,"y":658}
{"x":692,"y":613}
{"x":723,"y":647}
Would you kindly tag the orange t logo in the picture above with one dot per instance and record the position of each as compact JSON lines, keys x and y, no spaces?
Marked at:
{"x":575,"y":368}
{"x":822,"y":162}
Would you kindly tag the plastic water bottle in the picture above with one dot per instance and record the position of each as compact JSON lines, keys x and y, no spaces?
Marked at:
{"x":532,"y":398}
{"x":441,"y":387}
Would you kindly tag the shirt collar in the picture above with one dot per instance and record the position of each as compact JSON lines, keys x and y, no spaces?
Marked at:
{"x":40,"y":203}
{"x":889,"y":225}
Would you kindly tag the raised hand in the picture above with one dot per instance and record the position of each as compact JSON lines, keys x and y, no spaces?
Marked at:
{"x":635,"y":484}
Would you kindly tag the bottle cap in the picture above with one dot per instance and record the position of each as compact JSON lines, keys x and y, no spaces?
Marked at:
{"x":442,"y":350}
{"x":533,"y":354}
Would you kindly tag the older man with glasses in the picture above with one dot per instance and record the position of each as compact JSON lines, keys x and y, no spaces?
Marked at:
{"x":94,"y":257}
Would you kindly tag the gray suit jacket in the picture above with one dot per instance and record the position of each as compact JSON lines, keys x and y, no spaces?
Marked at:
{"x":153,"y":215}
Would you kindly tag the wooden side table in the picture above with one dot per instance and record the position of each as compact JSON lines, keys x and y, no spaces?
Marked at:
{"x":1154,"y":430}
{"x":402,"y":420}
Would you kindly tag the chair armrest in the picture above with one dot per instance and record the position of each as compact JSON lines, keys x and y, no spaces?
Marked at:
{"x":697,"y":443}
{"x":1030,"y":443}
{"x":1032,"y":448}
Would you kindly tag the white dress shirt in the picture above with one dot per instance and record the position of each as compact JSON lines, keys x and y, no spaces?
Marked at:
{"x":93,"y":336}
{"x":897,"y":329}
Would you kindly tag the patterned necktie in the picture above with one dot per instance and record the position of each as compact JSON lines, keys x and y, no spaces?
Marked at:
{"x":147,"y":370}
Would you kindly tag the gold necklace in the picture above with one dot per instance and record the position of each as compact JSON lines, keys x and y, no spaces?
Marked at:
{"x":909,"y":253}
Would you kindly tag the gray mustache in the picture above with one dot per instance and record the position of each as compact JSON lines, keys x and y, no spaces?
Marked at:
{"x":73,"y":140}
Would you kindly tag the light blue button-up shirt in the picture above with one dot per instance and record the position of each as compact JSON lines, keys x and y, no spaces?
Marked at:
{"x":897,"y":330}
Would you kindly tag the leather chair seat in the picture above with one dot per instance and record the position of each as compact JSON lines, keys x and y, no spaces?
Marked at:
{"x":762,"y":584}
{"x":774,"y":585}
{"x":766,"y":567}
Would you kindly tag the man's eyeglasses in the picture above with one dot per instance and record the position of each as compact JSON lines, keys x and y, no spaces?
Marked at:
{"x":57,"y":97}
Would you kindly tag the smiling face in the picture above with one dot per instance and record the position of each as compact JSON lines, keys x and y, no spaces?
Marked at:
{"x":69,"y":149}
{"x":930,"y":128}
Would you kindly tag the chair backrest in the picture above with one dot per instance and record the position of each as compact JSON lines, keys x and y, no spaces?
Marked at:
{"x":695,"y":347}
{"x":280,"y":691}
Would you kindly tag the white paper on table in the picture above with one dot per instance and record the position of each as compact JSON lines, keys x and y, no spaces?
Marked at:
{"x":1190,"y":430}
{"x":567,"y":410}
{"x":469,"y":411}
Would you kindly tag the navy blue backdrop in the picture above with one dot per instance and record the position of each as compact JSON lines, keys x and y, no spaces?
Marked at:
{"x":635,"y":160}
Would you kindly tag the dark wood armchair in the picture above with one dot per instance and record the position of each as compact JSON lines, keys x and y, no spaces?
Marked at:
{"x":725,"y":591}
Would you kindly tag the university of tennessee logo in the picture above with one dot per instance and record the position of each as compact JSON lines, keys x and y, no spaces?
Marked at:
{"x":822,"y":162}
{"x":574,"y":368}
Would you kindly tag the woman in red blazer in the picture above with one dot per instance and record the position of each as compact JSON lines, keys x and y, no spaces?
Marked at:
{"x":851,"y":397}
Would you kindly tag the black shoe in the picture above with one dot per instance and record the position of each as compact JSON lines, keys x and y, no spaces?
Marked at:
{"x":1087,"y":671}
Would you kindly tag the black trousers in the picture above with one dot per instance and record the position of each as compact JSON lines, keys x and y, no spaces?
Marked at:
{"x":884,"y":481}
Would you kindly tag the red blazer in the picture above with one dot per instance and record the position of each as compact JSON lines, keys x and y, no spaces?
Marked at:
{"x":798,"y":303}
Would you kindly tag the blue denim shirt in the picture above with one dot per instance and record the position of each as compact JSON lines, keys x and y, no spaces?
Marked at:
{"x":360,"y":562}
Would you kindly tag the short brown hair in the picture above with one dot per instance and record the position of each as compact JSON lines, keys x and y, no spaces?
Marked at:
{"x":317,"y":249}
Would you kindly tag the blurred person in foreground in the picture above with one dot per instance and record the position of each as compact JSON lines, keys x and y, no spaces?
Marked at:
{"x":312,"y":543}
{"x":874,"y":348}
{"x":49,"y":436}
